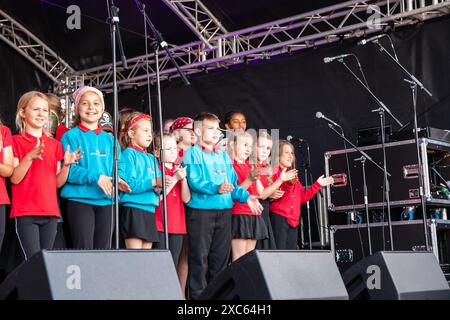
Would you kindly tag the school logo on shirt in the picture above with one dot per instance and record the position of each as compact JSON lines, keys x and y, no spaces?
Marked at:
{"x":99,"y":153}
{"x":220,"y":172}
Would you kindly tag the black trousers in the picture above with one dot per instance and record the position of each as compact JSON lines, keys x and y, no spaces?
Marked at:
{"x":209,"y":246}
{"x":2,"y":224}
{"x":35,"y":234}
{"x":268,"y":243}
{"x":90,"y":226}
{"x":175,"y":245}
{"x":63,"y":239}
{"x":285,"y":235}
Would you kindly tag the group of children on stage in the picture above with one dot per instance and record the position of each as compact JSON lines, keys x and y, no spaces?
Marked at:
{"x":219,"y":202}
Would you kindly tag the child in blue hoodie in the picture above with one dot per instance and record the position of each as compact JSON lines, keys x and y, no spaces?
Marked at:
{"x":139,"y":170}
{"x":89,"y":186}
{"x":213,"y":184}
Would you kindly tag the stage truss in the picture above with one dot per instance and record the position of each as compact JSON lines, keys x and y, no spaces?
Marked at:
{"x":219,"y":48}
{"x":199,"y":19}
{"x":36,"y":51}
{"x":327,"y":25}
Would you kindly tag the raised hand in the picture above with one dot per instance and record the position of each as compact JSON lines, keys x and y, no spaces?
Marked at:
{"x":288,"y":175}
{"x":105,"y":183}
{"x":37,"y":152}
{"x":225,"y":187}
{"x":72,"y":158}
{"x":325,"y":181}
{"x":254,"y":205}
{"x":180,"y":173}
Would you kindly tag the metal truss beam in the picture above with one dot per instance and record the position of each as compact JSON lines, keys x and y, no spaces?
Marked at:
{"x":198,"y":18}
{"x":33,"y":49}
{"x":327,"y":25}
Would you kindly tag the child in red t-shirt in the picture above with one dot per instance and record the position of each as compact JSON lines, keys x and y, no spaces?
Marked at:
{"x":6,"y":169}
{"x":177,"y":190}
{"x":285,"y":211}
{"x":38,"y":173}
{"x":268,"y":189}
{"x":183,"y":131}
{"x":247,"y":227}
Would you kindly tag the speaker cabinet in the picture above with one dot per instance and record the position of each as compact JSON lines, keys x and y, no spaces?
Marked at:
{"x":279,"y":275}
{"x":94,"y":275}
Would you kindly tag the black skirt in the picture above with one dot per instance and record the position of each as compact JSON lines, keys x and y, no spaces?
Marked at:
{"x":269,"y":242}
{"x":137,"y":223}
{"x":245,"y":226}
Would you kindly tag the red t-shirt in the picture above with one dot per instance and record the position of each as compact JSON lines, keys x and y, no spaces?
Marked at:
{"x":60,"y":130}
{"x":35,"y":195}
{"x":5,"y":141}
{"x":175,"y":209}
{"x":289,"y":205}
{"x":242,"y":171}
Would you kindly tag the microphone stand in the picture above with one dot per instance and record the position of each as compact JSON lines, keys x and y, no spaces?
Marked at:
{"x":308,"y":175}
{"x":363,"y":159}
{"x":161,"y":152}
{"x":414,"y":83}
{"x":307,"y":168}
{"x":113,"y":14}
{"x":321,"y":227}
{"x":381,"y":114}
{"x":366,"y":157}
{"x":161,"y":43}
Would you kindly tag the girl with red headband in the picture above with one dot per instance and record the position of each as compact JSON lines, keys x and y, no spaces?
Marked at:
{"x":140,"y":170}
{"x":89,"y":188}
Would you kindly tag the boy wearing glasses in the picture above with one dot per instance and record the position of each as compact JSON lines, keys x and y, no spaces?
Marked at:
{"x":213,"y":184}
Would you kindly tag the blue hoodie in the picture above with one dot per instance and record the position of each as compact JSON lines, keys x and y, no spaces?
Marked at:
{"x":139,"y":169}
{"x":98,"y":148}
{"x":206,"y":171}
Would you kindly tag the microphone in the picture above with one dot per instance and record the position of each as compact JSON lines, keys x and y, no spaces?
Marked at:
{"x":331,"y":59}
{"x":371,"y":39}
{"x":291,"y":138}
{"x":319,"y":115}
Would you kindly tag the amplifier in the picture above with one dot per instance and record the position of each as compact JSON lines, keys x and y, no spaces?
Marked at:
{"x":402,"y":164}
{"x":427,"y":132}
{"x":372,"y":135}
{"x":349,"y":242}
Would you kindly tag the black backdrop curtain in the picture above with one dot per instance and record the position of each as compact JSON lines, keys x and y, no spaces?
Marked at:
{"x":17,"y":77}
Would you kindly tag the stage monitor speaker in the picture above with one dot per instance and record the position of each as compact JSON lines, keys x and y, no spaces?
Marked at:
{"x":279,"y":275}
{"x":94,"y":275}
{"x":397,"y":275}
